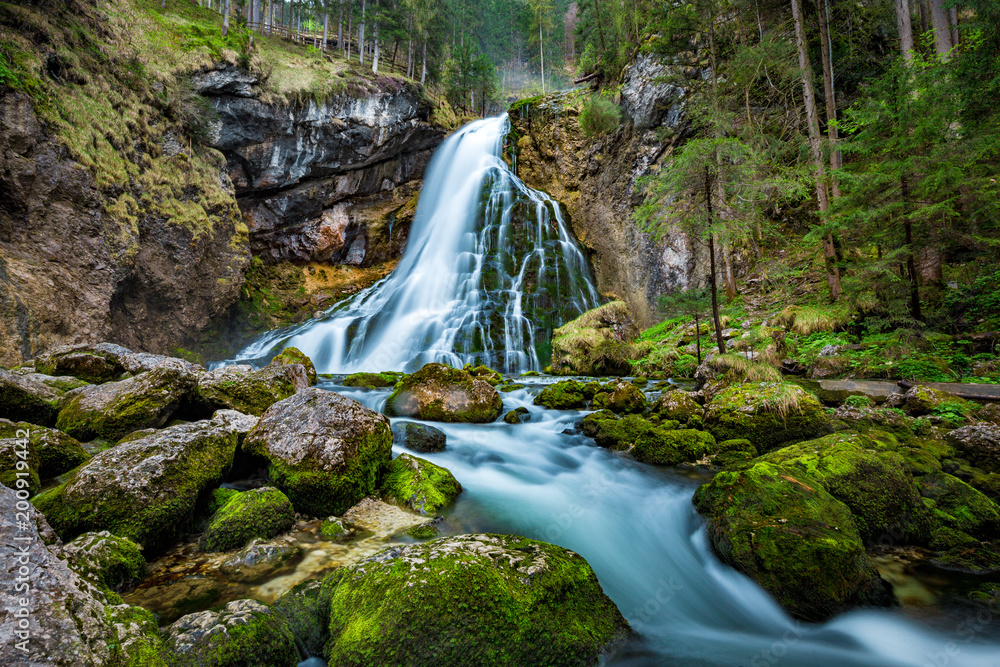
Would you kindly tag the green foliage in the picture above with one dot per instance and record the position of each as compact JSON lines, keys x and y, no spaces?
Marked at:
{"x":599,"y":116}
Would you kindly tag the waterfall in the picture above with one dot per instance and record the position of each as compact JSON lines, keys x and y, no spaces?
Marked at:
{"x":490,"y":269}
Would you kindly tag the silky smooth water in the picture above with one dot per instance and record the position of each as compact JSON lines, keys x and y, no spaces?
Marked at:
{"x":636,"y":526}
{"x":490,"y":269}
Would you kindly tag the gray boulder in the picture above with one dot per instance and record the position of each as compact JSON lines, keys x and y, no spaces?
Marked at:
{"x":244,"y":633}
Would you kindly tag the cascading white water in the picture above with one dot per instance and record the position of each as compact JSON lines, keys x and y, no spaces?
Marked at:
{"x":489,"y":270}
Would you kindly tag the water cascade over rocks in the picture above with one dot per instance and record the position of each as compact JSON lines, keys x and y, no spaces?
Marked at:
{"x":489,"y":270}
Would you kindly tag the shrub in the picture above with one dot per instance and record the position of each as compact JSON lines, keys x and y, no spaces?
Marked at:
{"x":599,"y":116}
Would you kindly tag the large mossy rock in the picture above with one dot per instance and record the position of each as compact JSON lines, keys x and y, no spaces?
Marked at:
{"x":420,"y":485}
{"x":56,"y":452}
{"x":922,"y":400}
{"x":111,"y":562}
{"x":568,"y":395}
{"x":874,"y":484}
{"x":444,"y":394}
{"x":599,"y":342}
{"x":307,"y":608}
{"x":243,"y":389}
{"x":372,"y":380}
{"x":72,"y":622}
{"x":979,"y":443}
{"x":958,"y":506}
{"x":767,"y":414}
{"x":671,"y":447}
{"x":23,"y":398}
{"x":419,"y":437}
{"x":243,"y":633}
{"x":679,"y":406}
{"x":114,"y":409}
{"x":84,"y":362}
{"x":325,"y":451}
{"x":258,"y":513}
{"x":780,"y":527}
{"x":19,"y":465}
{"x":509,"y":601}
{"x":145,"y":489}
{"x":626,"y":398}
{"x":293,"y":355}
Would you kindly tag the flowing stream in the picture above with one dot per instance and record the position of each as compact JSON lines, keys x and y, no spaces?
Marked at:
{"x":489,"y":269}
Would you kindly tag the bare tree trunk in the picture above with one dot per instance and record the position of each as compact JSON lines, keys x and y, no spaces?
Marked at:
{"x":711,"y":255}
{"x":911,"y":268}
{"x":326,"y":26}
{"x":340,"y":25}
{"x":905,"y":26}
{"x":956,"y":37}
{"x":423,"y":66}
{"x":812,"y":119}
{"x":942,"y":29}
{"x":225,"y":18}
{"x":409,"y":47}
{"x":541,"y":50}
{"x":600,"y":30}
{"x":361,"y":34}
{"x":350,"y":33}
{"x":375,"y":49}
{"x":826,"y":52}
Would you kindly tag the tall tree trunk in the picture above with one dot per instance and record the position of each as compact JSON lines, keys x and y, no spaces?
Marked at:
{"x":942,"y":28}
{"x":711,"y":258}
{"x":340,"y":25}
{"x":409,"y":47}
{"x":350,"y":29}
{"x":225,"y":18}
{"x":375,"y":48}
{"x":904,"y":24}
{"x":956,"y":37}
{"x":815,"y":145}
{"x":326,"y":26}
{"x":911,"y":267}
{"x":541,"y":50}
{"x":826,"y":52}
{"x":697,"y":337}
{"x":600,"y":30}
{"x":423,"y":66}
{"x":361,"y":34}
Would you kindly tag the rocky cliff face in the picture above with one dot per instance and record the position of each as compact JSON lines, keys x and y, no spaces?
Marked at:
{"x":597,"y":179}
{"x":318,"y":181}
{"x":80,"y":262}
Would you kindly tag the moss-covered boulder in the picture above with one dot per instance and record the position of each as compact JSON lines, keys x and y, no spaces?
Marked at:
{"x":875,"y":485}
{"x":251,"y":392}
{"x":732,"y":452}
{"x":19,"y":464}
{"x":979,"y":443}
{"x":617,"y":434}
{"x":23,"y":398}
{"x":146,"y":489}
{"x":626,"y":398}
{"x":957,"y":505}
{"x":599,"y":342}
{"x":511,"y":602}
{"x":136,"y":638}
{"x":85,"y":362}
{"x":516,"y":416}
{"x":258,"y":513}
{"x":325,"y":451}
{"x":419,"y":437}
{"x":243,"y":633}
{"x":293,"y":355}
{"x":780,"y":527}
{"x":767,"y":414}
{"x":307,"y":608}
{"x":486,"y":373}
{"x":372,"y":380}
{"x":566,"y":395}
{"x":114,"y":409}
{"x":679,"y":406}
{"x":440,"y":393}
{"x":923,"y":400}
{"x":670,"y":447}
{"x":111,"y":562}
{"x":56,"y":452}
{"x":419,"y":485}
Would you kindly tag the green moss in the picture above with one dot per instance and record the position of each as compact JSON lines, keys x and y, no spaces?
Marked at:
{"x":511,"y":386}
{"x":596,"y":343}
{"x":257,"y":639}
{"x":677,"y":405}
{"x":485,"y":373}
{"x":420,"y":485}
{"x":767,"y":414}
{"x":19,"y":465}
{"x":248,"y":392}
{"x":307,"y":608}
{"x":617,"y":434}
{"x":875,"y":485}
{"x":293,"y":355}
{"x":333,"y":528}
{"x":440,"y":393}
{"x":780,"y":527}
{"x":137,"y":641}
{"x":959,"y":506}
{"x":567,"y":395}
{"x":258,"y":513}
{"x":109,"y":562}
{"x":626,"y":398}
{"x":516,"y":416}
{"x":444,"y":601}
{"x":669,"y":447}
{"x":424,"y":531}
{"x":19,"y":401}
{"x":372,"y":380}
{"x":732,"y":452}
{"x":56,"y":452}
